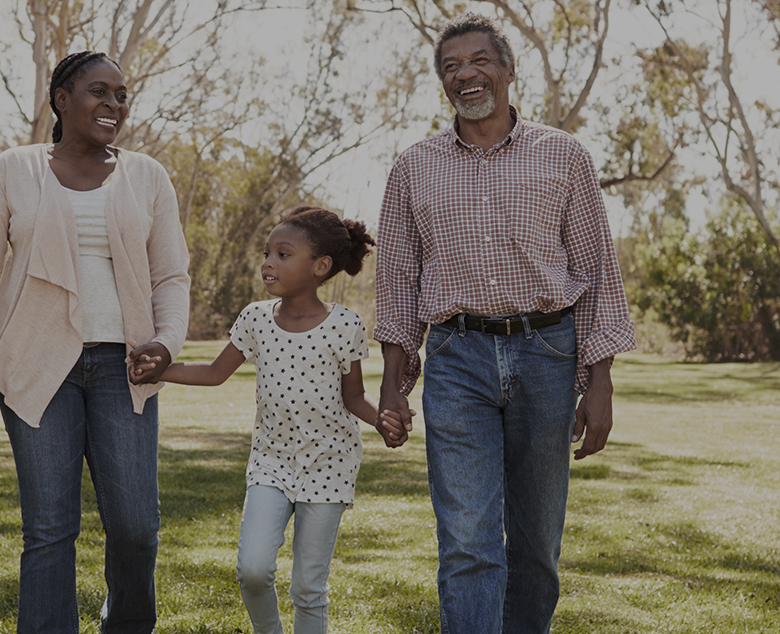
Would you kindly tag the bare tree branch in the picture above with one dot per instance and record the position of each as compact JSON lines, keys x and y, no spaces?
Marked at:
{"x":632,"y":176}
{"x":751,"y":191}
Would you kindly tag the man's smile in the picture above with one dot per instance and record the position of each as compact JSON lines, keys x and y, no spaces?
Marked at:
{"x":470,"y":89}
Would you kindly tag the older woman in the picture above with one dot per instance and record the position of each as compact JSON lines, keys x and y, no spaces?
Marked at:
{"x":97,"y":265}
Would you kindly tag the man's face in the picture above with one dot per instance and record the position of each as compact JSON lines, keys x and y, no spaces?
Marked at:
{"x":474,"y":80}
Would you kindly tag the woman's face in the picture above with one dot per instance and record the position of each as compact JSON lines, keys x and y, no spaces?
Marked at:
{"x":95,"y":110}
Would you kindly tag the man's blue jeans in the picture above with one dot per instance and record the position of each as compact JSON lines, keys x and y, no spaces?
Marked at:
{"x":90,"y":416}
{"x":499,"y":415}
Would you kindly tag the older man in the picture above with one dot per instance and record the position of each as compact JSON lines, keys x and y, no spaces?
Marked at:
{"x":494,"y":234}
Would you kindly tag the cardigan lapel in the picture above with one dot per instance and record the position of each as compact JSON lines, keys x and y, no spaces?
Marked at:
{"x":54,"y":248}
{"x":126,"y":226}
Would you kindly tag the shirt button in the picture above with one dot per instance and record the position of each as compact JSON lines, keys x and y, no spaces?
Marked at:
{"x":484,"y":199}
{"x":484,"y":161}
{"x":487,"y":238}
{"x":493,"y":282}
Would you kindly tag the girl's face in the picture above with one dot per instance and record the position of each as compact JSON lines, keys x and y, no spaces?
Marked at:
{"x":290,"y":267}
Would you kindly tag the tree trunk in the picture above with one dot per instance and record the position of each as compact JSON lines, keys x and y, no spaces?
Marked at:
{"x":42,"y":123}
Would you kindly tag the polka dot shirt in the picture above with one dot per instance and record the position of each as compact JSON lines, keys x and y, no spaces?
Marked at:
{"x":304,"y":442}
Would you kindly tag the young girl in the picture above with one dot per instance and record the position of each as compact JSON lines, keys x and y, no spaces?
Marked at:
{"x":306,"y":447}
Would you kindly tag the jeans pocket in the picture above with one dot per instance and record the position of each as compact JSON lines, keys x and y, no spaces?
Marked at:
{"x":439,"y":339}
{"x":559,"y":340}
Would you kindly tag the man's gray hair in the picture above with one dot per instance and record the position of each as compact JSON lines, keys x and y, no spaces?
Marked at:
{"x":467,"y":23}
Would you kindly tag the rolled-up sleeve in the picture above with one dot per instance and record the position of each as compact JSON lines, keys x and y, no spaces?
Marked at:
{"x":601,"y":314}
{"x":399,"y":257}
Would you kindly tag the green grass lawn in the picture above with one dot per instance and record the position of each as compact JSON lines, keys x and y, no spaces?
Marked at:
{"x":672,"y":528}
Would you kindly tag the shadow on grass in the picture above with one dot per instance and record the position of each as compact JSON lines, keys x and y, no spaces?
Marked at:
{"x":596,"y":471}
{"x":590,"y":619}
{"x":392,"y":476}
{"x":354,"y":541}
{"x":216,"y":589}
{"x":9,"y":595}
{"x":402,"y":605}
{"x":651,"y":461}
{"x":714,"y":567}
{"x":201,"y":474}
{"x":209,"y":477}
{"x":9,"y":499}
{"x":686,"y":547}
{"x":709,"y":575}
{"x":402,"y":472}
{"x":90,"y":600}
{"x":665,"y":382}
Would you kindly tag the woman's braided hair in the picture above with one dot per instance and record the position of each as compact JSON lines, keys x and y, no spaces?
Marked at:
{"x":346,"y":241}
{"x":69,"y":70}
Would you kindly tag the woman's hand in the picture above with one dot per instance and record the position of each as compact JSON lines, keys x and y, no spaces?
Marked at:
{"x":147,"y":362}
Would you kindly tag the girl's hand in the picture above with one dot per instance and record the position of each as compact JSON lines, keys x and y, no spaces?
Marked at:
{"x":391,"y":421}
{"x":141,"y":367}
{"x":147,"y":362}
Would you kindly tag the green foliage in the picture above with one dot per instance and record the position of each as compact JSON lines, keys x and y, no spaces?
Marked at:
{"x":719,"y":292}
{"x":572,"y":22}
{"x":667,"y":82}
{"x":230,"y":197}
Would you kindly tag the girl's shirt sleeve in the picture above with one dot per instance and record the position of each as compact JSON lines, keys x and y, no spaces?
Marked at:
{"x":243,"y":333}
{"x":358,"y":347}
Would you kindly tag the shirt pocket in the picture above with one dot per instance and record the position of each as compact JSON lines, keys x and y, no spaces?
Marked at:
{"x":537,"y":214}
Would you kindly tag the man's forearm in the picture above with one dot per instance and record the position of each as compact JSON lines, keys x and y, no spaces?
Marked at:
{"x":396,"y":360}
{"x":600,"y":375}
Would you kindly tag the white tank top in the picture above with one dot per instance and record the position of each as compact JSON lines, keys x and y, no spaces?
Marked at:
{"x":101,"y":313}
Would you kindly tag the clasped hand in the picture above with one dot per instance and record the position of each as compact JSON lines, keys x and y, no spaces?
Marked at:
{"x":146,"y":363}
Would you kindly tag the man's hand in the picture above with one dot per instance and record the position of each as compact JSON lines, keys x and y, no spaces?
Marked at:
{"x":391,"y":421}
{"x":398,"y":406}
{"x":390,"y":396}
{"x":147,"y":362}
{"x":594,"y":412}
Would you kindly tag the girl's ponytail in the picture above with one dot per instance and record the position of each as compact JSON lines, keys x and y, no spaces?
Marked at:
{"x":360,"y":243}
{"x":346,"y":242}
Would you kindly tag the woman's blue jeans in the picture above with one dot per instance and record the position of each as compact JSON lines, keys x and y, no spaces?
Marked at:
{"x":499,"y":415}
{"x":90,"y":416}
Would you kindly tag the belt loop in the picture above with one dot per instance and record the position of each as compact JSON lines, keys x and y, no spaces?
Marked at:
{"x":462,"y":325}
{"x":527,"y":327}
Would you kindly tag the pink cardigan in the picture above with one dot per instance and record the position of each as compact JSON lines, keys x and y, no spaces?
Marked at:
{"x":40,"y":312}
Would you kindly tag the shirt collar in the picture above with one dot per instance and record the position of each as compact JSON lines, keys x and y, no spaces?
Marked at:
{"x":511,"y":137}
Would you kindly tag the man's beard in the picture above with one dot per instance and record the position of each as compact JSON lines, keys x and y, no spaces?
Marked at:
{"x":476,"y":111}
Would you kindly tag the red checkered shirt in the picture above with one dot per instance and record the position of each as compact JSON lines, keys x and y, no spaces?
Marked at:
{"x":520,"y":227}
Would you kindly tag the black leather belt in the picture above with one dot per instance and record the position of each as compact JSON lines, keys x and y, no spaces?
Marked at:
{"x":508,"y":325}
